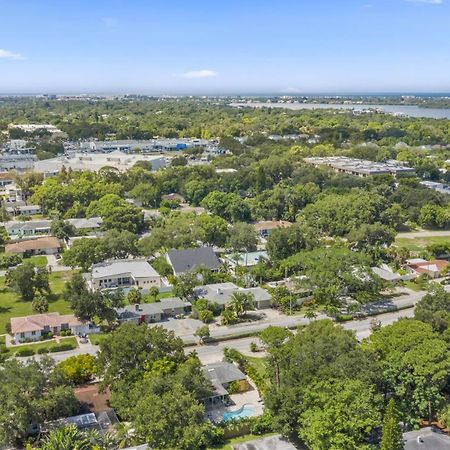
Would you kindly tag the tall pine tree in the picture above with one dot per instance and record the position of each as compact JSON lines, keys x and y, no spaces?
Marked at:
{"x":392,"y":438}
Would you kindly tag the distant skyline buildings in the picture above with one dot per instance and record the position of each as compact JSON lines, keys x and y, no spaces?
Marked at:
{"x":174,"y":47}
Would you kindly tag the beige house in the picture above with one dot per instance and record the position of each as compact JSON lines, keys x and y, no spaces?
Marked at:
{"x":124,"y":273}
{"x":31,"y":328}
{"x":44,"y":245}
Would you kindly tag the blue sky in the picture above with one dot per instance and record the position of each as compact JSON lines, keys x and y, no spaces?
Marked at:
{"x":228,"y":46}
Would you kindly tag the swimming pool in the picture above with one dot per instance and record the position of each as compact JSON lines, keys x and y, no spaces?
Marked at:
{"x":247,"y":410}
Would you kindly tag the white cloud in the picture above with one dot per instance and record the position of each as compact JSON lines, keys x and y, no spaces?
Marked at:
{"x":427,"y":2}
{"x":6,"y":54}
{"x":205,"y":73}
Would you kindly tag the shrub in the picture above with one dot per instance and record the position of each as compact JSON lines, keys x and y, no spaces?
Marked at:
{"x":42,"y":351}
{"x":233,"y":387}
{"x":62,"y":347}
{"x":343,"y":317}
{"x":24,"y":352}
{"x":253,"y":347}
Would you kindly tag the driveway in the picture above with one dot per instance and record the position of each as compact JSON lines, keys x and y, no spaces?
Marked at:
{"x":54,"y":265}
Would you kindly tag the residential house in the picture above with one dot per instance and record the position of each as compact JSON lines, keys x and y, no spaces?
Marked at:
{"x":124,"y":273}
{"x":27,"y":228}
{"x":184,"y":261}
{"x":265,"y":227}
{"x":31,"y":328}
{"x":221,"y":375}
{"x":386,"y":274}
{"x":23,"y":210}
{"x":86,"y":224}
{"x":426,"y":438}
{"x":221,"y":293}
{"x":49,"y":245}
{"x":153,"y":312}
{"x":433,"y":268}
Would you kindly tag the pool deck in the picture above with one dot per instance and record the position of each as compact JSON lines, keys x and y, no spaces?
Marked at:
{"x":251,"y":397}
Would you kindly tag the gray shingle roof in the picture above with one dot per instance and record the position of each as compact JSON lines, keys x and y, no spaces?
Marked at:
{"x":224,"y":372}
{"x":426,"y":439}
{"x":188,"y":260}
{"x":144,"y":309}
{"x":221,"y":293}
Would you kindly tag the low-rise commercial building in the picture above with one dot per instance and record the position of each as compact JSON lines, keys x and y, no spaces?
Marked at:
{"x":360,"y":167}
{"x":95,"y":161}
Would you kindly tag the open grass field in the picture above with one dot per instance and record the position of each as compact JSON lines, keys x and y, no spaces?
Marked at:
{"x":12,"y":306}
{"x":420,"y":243}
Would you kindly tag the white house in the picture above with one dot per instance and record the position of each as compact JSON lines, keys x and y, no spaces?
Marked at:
{"x":31,"y":328}
{"x":124,"y":273}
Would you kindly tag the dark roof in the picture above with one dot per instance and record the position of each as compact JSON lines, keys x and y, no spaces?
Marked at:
{"x":426,"y":439}
{"x":173,"y":303}
{"x":136,"y":311}
{"x":188,"y":260}
{"x":223,"y":372}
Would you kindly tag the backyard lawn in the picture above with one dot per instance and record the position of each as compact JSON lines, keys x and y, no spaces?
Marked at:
{"x":239,"y":440}
{"x":12,"y":306}
{"x":418,"y":244}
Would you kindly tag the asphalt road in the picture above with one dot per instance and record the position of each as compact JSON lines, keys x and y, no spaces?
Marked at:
{"x":214,"y":351}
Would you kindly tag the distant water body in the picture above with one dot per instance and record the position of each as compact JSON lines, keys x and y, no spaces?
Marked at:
{"x":406,"y":110}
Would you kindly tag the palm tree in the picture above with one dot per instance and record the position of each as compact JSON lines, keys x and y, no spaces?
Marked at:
{"x":241,"y":302}
{"x":66,"y":438}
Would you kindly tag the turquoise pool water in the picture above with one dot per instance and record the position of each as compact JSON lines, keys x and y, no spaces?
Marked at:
{"x":247,"y":410}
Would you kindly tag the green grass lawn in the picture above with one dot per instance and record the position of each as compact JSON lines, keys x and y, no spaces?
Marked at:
{"x":12,"y":306}
{"x":38,"y":261}
{"x":97,"y":338}
{"x":419,"y":244}
{"x":259,"y":364}
{"x":48,"y":344}
{"x":239,"y":440}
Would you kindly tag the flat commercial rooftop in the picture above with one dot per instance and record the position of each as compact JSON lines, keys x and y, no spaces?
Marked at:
{"x":360,"y":166}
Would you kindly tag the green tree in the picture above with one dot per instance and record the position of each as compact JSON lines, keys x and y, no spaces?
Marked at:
{"x":153,"y":292}
{"x":392,"y":438}
{"x":66,"y":438}
{"x":31,"y":393}
{"x":338,"y":414}
{"x":273,"y":339}
{"x":26,"y":280}
{"x":78,"y":369}
{"x":434,"y":308}
{"x":40,"y":304}
{"x":183,"y":286}
{"x":415,"y":365}
{"x":241,"y":302}
{"x":242,"y":237}
{"x":203,"y":333}
{"x":62,"y":229}
{"x":134,"y":297}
